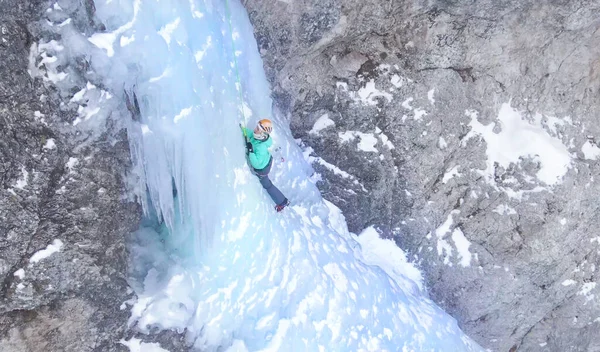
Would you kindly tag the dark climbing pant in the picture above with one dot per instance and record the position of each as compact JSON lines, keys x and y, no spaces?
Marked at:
{"x":274,"y":192}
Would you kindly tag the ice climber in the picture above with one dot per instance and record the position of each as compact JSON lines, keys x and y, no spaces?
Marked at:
{"x":257,"y":148}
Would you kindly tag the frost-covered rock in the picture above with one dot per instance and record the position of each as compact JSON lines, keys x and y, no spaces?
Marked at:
{"x":490,"y":107}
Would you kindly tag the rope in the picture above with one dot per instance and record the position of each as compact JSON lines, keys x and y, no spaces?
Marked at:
{"x":235,"y":65}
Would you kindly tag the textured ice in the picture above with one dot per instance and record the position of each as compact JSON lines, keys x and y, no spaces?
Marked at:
{"x":213,"y":258}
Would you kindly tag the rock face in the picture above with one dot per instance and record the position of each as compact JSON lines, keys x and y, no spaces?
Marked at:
{"x":63,"y":216}
{"x":465,"y":130}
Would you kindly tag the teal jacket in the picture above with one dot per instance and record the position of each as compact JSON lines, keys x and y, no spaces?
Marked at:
{"x":259,"y":159}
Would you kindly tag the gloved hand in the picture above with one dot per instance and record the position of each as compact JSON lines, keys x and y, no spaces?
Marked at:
{"x":249,"y":147}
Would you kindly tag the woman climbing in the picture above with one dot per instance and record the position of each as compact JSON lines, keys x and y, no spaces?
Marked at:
{"x":257,"y":149}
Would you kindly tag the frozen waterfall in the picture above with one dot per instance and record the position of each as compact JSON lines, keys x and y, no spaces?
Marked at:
{"x":213,"y":257}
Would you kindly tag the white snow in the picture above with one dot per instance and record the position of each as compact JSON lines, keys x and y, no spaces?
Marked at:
{"x":384,"y":139}
{"x":20,"y":273}
{"x":136,"y":345}
{"x":590,"y":150}
{"x":65,"y":22}
{"x":52,"y":248}
{"x":369,"y":92}
{"x":336,"y":170}
{"x":124,"y":41}
{"x":585,"y":290}
{"x":342,"y":85}
{"x":520,"y":139}
{"x":563,"y":221}
{"x":183,"y":113}
{"x":461,"y":243}
{"x":550,"y":122}
{"x":442,"y":143}
{"x":366,"y":142}
{"x":200,"y":53}
{"x":504,"y":209}
{"x":322,"y":123}
{"x":462,"y":247}
{"x":430,"y":96}
{"x":85,"y":113}
{"x":419,"y":113}
{"x":47,"y":59}
{"x":50,"y":46}
{"x":389,"y":257}
{"x":397,"y":81}
{"x":145,"y":129}
{"x":569,"y":282}
{"x":72,"y":163}
{"x":453,"y":172}
{"x":22,"y":182}
{"x":50,"y":144}
{"x":443,"y":247}
{"x":167,"y":31}
{"x":104,"y":41}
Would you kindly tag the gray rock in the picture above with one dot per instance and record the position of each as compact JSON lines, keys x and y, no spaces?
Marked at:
{"x":541,"y":57}
{"x":61,"y":190}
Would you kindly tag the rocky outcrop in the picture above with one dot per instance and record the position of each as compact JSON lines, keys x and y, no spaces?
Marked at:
{"x":409,"y":108}
{"x":63,"y":213}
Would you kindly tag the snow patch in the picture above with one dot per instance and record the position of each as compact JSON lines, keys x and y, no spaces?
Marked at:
{"x":586,"y":288}
{"x":52,"y":248}
{"x":453,"y":172}
{"x":22,"y":182}
{"x":397,"y":81}
{"x":442,"y":143}
{"x":183,"y":113}
{"x":71,"y":164}
{"x":461,"y":243}
{"x":104,"y":41}
{"x":50,"y":144}
{"x":136,"y":345}
{"x":198,"y":55}
{"x":145,"y":129}
{"x":124,"y":41}
{"x":518,"y":139}
{"x":384,"y":138}
{"x":367,"y":140}
{"x":590,"y":150}
{"x":569,"y":282}
{"x":389,"y":257}
{"x":165,"y":74}
{"x":503,"y":209}
{"x":430,"y":96}
{"x":368,"y":93}
{"x":20,"y":273}
{"x":322,"y":123}
{"x":462,"y":247}
{"x":167,"y":31}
